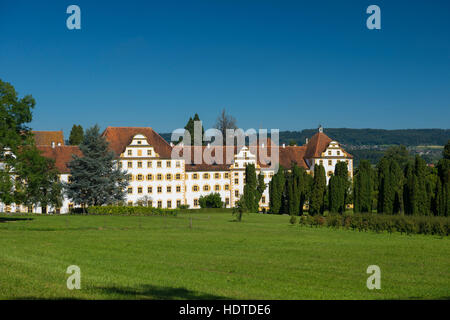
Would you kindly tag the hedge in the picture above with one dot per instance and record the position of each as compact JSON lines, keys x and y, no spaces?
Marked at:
{"x":382,"y":223}
{"x":129,"y":210}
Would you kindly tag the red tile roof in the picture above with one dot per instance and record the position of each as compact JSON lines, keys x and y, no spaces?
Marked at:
{"x":62,"y":155}
{"x":45,"y":138}
{"x":316,"y":145}
{"x":120,"y":137}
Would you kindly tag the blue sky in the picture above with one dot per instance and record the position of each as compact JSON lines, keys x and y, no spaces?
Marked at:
{"x":272,"y":64}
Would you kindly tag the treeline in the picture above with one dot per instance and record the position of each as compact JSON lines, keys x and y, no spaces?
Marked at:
{"x":370,"y":137}
{"x":407,"y":137}
{"x":396,"y":185}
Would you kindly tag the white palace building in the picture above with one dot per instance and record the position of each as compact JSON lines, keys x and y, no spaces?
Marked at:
{"x":161,"y":180}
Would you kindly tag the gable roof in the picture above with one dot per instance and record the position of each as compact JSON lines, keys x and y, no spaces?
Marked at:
{"x":120,"y":137}
{"x":316,"y":145}
{"x":61,"y":154}
{"x":45,"y":138}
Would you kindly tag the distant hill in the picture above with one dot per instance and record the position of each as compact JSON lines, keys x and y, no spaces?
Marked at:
{"x":368,"y":137}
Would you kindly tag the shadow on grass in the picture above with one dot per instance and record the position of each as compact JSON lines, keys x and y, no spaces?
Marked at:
{"x":157,"y":293}
{"x":12,"y":219}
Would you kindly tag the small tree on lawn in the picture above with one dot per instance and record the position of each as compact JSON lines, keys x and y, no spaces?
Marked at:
{"x":96,"y":179}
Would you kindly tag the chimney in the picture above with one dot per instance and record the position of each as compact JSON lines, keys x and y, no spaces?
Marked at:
{"x":171,"y":144}
{"x":307,"y":140}
{"x":53,"y":144}
{"x":320,"y":128}
{"x":284,"y":146}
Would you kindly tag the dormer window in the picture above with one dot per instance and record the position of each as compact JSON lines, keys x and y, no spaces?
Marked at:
{"x":139,"y":142}
{"x":130,"y":152}
{"x":338,"y":153}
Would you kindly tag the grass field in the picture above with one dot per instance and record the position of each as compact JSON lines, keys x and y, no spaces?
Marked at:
{"x":263,"y":257}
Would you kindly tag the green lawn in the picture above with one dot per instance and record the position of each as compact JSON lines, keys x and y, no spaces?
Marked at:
{"x":263,"y":257}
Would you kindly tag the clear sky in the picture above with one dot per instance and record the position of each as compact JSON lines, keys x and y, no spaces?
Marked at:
{"x":272,"y":64}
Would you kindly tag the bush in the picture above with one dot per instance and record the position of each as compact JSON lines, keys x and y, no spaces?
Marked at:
{"x":129,"y":210}
{"x":212,"y":200}
{"x":382,"y":223}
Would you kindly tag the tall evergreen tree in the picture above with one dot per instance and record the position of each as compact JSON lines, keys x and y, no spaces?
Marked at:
{"x":276,"y":190}
{"x":261,"y":185}
{"x":316,"y":201}
{"x":363,"y":187}
{"x":338,"y":188}
{"x":444,"y":195}
{"x":76,"y":135}
{"x":190,"y":128}
{"x":423,"y":202}
{"x":96,"y":179}
{"x":386,"y":193}
{"x":411,"y":191}
{"x":397,"y":181}
{"x":251,"y":194}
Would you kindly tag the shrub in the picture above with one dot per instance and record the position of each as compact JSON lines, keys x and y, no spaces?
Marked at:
{"x":381,"y":223}
{"x":129,"y":210}
{"x":212,"y":200}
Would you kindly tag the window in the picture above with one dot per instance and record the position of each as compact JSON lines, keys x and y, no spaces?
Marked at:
{"x":130,"y":164}
{"x":169,"y":177}
{"x":159,"y":189}
{"x":227,"y":201}
{"x":149,"y":152}
{"x":130,"y":190}
{"x":236,"y":174}
{"x":236,"y":193}
{"x":140,"y":190}
{"x":195,"y":202}
{"x":139,"y":164}
{"x":330,"y":162}
{"x":236,"y":181}
{"x":206,"y":176}
{"x":129,"y":177}
{"x":150,"y":177}
{"x":149,"y":190}
{"x":150,"y":203}
{"x":139,"y":142}
{"x":169,"y":204}
{"x":130,"y":152}
{"x":338,"y":153}
{"x":177,"y":164}
{"x":149,"y":164}
{"x":330,"y":173}
{"x":216,"y":175}
{"x":159,"y":176}
{"x":130,"y":203}
{"x":70,"y":178}
{"x":120,"y":164}
{"x":227,"y":187}
{"x":178,"y":188}
{"x":236,"y":165}
{"x":158,"y":164}
{"x":321,"y":162}
{"x":216,"y":187}
{"x":195,"y":188}
{"x":195,"y":176}
{"x":169,"y":189}
{"x":263,"y":199}
{"x":159,"y":204}
{"x":178,"y":176}
{"x":139,"y":177}
{"x":329,"y":153}
{"x":178,"y":203}
{"x":226,"y":175}
{"x":168,"y":164}
{"x":139,"y":152}
{"x":206,"y":187}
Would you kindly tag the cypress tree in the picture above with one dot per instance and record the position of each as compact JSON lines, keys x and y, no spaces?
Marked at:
{"x":276,"y":189}
{"x":96,"y":179}
{"x":423,"y":202}
{"x":411,"y":191}
{"x":396,"y":179}
{"x":251,"y":195}
{"x":316,"y":202}
{"x":386,"y":194}
{"x":363,"y":187}
{"x":76,"y":135}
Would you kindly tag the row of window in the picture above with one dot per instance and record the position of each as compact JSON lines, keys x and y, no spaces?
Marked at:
{"x":140,"y":164}
{"x":151,"y":177}
{"x":159,"y":189}
{"x":330,"y":162}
